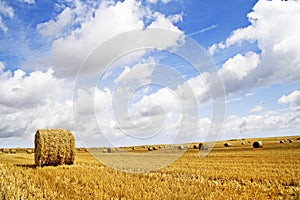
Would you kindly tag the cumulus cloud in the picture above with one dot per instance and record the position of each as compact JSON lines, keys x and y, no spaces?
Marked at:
{"x":68,"y":53}
{"x":293,"y":99}
{"x":32,"y":101}
{"x":239,"y":66}
{"x":55,"y":27}
{"x":235,"y":74}
{"x":21,"y":90}
{"x":92,"y":100}
{"x":270,"y":122}
{"x":274,"y":27}
{"x":79,"y":30}
{"x":40,"y":99}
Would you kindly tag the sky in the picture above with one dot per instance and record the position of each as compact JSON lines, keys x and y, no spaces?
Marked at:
{"x":131,"y":72}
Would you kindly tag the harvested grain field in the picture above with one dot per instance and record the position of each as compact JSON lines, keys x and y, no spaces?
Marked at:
{"x":238,"y":172}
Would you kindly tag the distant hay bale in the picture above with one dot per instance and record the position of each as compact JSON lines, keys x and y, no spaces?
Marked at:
{"x":180,"y":147}
{"x":150,"y":149}
{"x":203,"y":146}
{"x":195,"y":146}
{"x":29,"y":151}
{"x":133,"y":148}
{"x":54,"y":147}
{"x":243,"y":143}
{"x":155,"y":148}
{"x":104,"y":151}
{"x":13,"y":151}
{"x":290,"y":141}
{"x":298,"y":138}
{"x":249,"y":142}
{"x":257,"y":144}
{"x":160,"y":147}
{"x":109,"y":150}
{"x":5,"y":150}
{"x":281,"y":141}
{"x":227,"y":144}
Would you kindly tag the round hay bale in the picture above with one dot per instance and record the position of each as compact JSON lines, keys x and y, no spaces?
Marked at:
{"x":180,"y":147}
{"x":203,"y":146}
{"x":281,"y":141}
{"x":5,"y":150}
{"x":298,"y":138}
{"x":104,"y":151}
{"x":109,"y":150}
{"x":150,"y":149}
{"x":257,"y":144}
{"x":195,"y":146}
{"x":243,"y":143}
{"x":155,"y":148}
{"x":133,"y":148}
{"x":29,"y":151}
{"x":249,"y":142}
{"x":13,"y":151}
{"x":227,"y":144}
{"x":290,"y":141}
{"x":54,"y":147}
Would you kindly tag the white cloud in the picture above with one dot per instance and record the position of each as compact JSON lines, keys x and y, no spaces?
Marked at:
{"x":41,"y":100}
{"x":163,"y":22}
{"x":92,"y":100}
{"x":109,"y":20}
{"x":274,"y":27}
{"x":166,"y":1}
{"x":138,"y":75}
{"x":73,"y":15}
{"x":235,"y":74}
{"x":54,"y":28}
{"x":264,"y":124}
{"x":2,"y":67}
{"x":258,"y":108}
{"x":2,"y":25}
{"x":95,"y":25}
{"x":156,"y":1}
{"x":239,"y":66}
{"x":33,"y":101}
{"x":5,"y":11}
{"x":21,"y":90}
{"x":293,"y":99}
{"x":152,"y":1}
{"x":28,"y":1}
{"x":175,"y":18}
{"x":25,"y":106}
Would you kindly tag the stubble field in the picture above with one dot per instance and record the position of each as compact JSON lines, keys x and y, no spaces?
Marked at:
{"x":236,"y":172}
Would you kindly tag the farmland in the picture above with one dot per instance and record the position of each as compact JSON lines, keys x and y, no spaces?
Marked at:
{"x":235,"y":172}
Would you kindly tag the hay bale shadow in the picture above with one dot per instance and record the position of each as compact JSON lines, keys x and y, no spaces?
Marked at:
{"x":31,"y":166}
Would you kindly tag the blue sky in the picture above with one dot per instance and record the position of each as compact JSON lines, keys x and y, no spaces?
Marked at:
{"x":49,"y":77}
